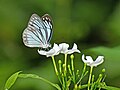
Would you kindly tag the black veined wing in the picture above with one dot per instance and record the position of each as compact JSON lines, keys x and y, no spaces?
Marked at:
{"x":38,"y":32}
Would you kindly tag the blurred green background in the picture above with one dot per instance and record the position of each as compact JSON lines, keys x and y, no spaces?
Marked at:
{"x":93,"y":24}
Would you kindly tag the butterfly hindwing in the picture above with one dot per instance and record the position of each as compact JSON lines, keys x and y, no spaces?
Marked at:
{"x":39,"y":32}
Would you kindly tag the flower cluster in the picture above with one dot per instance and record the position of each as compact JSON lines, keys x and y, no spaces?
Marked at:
{"x":63,"y":48}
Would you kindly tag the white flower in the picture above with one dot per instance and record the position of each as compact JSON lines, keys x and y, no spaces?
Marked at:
{"x":64,"y":48}
{"x":52,"y":52}
{"x":89,"y":61}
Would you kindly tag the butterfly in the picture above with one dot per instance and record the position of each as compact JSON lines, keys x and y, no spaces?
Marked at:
{"x":38,"y":32}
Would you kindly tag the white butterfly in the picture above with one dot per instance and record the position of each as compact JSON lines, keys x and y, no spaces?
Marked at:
{"x":38,"y":32}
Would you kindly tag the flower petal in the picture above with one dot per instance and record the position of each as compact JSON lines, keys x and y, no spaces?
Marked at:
{"x":63,"y":47}
{"x":74,"y":46}
{"x":56,"y":48}
{"x":74,"y":49}
{"x":88,"y":59}
{"x":98,"y":61}
{"x":41,"y":52}
{"x":52,"y":52}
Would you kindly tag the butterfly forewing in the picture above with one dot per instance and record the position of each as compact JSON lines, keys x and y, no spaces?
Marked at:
{"x":48,"y":24}
{"x":38,"y":32}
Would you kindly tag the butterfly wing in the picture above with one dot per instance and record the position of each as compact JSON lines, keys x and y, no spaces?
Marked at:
{"x":38,"y":32}
{"x":47,"y":21}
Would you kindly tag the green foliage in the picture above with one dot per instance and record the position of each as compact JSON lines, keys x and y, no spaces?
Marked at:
{"x":12,"y":79}
{"x":67,"y":77}
{"x":88,"y":23}
{"x":40,"y":78}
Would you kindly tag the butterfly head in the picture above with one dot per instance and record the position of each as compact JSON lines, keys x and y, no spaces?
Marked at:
{"x":48,"y":45}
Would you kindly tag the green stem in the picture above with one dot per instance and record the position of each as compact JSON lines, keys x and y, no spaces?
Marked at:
{"x":60,"y":68}
{"x":83,"y":72}
{"x":56,"y":71}
{"x":60,"y":72}
{"x":92,"y":83}
{"x":65,"y":70}
{"x":91,"y":69}
{"x":65,"y":64}
{"x":63,"y":82}
{"x":55,"y":67}
{"x":75,"y":87}
{"x":73,"y":73}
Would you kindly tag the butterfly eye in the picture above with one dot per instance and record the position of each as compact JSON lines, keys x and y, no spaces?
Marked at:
{"x":43,"y":19}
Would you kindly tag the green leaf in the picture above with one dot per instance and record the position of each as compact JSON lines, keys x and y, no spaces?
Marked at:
{"x":37,"y":77}
{"x":110,"y":88}
{"x":11,"y":80}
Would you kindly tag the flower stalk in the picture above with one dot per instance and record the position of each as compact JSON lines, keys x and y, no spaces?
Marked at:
{"x":55,"y":67}
{"x":83,"y":73}
{"x":56,"y":71}
{"x":65,"y":64}
{"x":72,"y":65}
{"x":91,"y":69}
